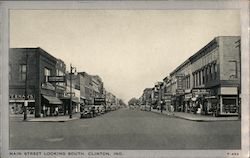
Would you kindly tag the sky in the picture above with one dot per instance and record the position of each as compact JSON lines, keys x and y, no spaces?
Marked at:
{"x":129,"y":49}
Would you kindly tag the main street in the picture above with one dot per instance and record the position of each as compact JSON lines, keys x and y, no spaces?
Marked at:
{"x":125,"y":129}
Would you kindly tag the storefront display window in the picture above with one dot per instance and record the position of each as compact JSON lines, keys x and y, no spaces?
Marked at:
{"x":229,"y":105}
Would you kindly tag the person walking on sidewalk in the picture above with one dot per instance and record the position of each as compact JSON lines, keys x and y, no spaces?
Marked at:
{"x":172,"y":109}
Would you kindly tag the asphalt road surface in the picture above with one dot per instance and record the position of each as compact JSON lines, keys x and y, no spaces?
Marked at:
{"x":126,"y":129}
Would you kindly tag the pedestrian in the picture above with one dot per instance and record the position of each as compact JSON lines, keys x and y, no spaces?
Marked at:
{"x":56,"y":111}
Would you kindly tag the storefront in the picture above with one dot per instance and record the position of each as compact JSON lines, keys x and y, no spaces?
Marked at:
{"x":50,"y":105}
{"x":66,"y":104}
{"x":228,"y":100}
{"x":187,"y":102}
{"x":16,"y":104}
{"x":198,"y":102}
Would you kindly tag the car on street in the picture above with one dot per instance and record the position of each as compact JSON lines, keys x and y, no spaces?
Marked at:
{"x":113,"y":107}
{"x":87,"y":111}
{"x":147,"y":108}
{"x":97,"y":110}
{"x":143,"y":107}
{"x":131,"y":107}
{"x":102,"y":109}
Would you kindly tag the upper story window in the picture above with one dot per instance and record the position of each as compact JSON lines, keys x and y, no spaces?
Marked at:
{"x":47,"y":73}
{"x":215,"y":70}
{"x":233,"y":73}
{"x":23,"y":69}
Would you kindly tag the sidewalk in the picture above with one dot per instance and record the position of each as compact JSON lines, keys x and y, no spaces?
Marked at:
{"x":197,"y":117}
{"x":64,"y":118}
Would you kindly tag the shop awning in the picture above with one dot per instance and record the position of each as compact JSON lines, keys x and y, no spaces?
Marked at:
{"x":52,"y":100}
{"x":74,"y":99}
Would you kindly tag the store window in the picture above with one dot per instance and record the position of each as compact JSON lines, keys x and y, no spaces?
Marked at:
{"x":23,"y":69}
{"x":47,"y":73}
{"x":229,"y":105}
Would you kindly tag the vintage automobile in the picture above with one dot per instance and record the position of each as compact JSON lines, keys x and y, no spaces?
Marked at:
{"x":143,"y":107}
{"x":97,"y":110}
{"x":102,"y":109}
{"x":147,"y":108}
{"x":87,"y":111}
{"x":113,"y":107}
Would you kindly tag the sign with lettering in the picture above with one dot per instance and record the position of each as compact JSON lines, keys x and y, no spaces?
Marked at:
{"x":21,"y":96}
{"x":48,"y":86}
{"x":98,"y":101}
{"x":56,"y":79}
{"x":180,"y":91}
{"x":179,"y":79}
{"x":200,"y":91}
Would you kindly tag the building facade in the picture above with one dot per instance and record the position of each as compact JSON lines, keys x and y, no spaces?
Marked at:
{"x":209,"y":78}
{"x":29,"y":69}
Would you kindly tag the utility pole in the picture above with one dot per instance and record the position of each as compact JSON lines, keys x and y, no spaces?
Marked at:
{"x":25,"y":91}
{"x":70,"y":104}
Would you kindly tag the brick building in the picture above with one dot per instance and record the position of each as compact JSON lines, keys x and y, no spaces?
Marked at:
{"x":29,"y":71}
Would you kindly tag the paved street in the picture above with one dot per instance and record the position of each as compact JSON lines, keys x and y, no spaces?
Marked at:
{"x":125,"y":129}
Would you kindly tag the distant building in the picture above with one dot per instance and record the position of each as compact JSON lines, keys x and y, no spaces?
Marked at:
{"x":146,"y":96}
{"x":86,"y":89}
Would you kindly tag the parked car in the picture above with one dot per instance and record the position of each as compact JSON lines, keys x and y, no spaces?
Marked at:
{"x":131,"y":107}
{"x":113,"y":107}
{"x":87,"y":111}
{"x":97,"y":110}
{"x":108,"y":108}
{"x":143,"y":107}
{"x":102,"y":109}
{"x":147,"y":108}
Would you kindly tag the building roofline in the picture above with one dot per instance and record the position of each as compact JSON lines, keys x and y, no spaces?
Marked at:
{"x":192,"y":57}
{"x":42,"y":51}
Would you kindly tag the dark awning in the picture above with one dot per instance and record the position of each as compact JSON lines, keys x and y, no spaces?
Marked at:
{"x":52,"y":100}
{"x":74,"y":99}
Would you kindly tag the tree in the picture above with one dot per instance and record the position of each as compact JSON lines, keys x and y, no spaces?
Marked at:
{"x":133,"y":101}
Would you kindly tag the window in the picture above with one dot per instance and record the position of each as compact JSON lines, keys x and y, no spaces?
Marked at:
{"x":193,"y":80}
{"x":23,"y":69}
{"x":199,"y":77}
{"x":203,"y":76}
{"x":210,"y":73}
{"x":233,"y":69}
{"x":215,"y":71}
{"x":207,"y":72}
{"x":46,"y":73}
{"x":188,"y":82}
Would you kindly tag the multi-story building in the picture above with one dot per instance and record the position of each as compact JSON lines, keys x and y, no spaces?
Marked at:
{"x":73,"y":89}
{"x":167,"y":92}
{"x":29,"y":69}
{"x":86,"y":88}
{"x":97,"y":85}
{"x":146,"y":96}
{"x":211,"y":77}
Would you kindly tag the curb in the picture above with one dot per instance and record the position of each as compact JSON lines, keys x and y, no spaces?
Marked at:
{"x":196,"y":120}
{"x":52,"y":120}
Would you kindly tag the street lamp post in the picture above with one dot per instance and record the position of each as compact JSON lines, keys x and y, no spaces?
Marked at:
{"x":70,"y":104}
